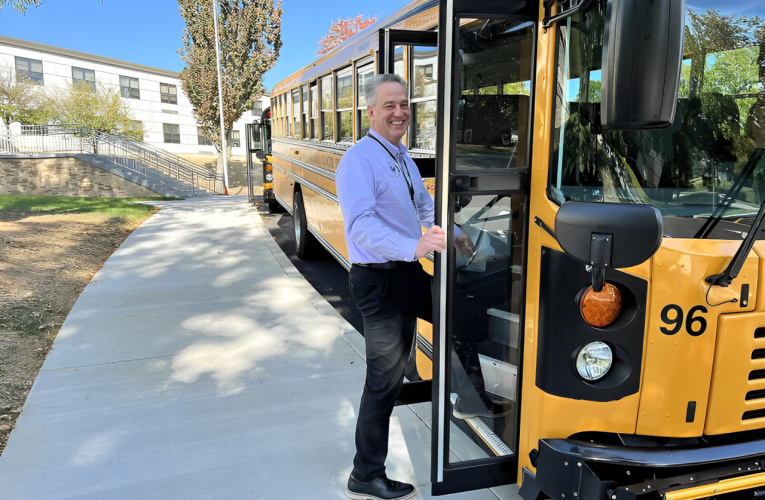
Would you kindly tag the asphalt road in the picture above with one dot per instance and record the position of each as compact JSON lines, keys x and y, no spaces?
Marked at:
{"x":324,"y":273}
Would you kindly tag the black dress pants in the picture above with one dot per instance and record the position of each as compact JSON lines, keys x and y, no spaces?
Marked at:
{"x":390,"y":300}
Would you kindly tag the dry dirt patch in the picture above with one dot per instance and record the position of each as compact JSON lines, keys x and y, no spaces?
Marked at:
{"x":45,"y":263}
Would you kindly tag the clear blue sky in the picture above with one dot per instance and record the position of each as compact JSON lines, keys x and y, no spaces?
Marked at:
{"x":149,"y":31}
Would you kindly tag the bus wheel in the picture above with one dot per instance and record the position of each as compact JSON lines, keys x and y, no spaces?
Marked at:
{"x":305,"y":243}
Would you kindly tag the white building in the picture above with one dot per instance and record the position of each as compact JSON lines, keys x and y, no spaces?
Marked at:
{"x":154,"y":95}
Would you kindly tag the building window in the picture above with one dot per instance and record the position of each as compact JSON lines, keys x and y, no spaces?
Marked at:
{"x":345,"y":105}
{"x":233,"y":139}
{"x":87,"y":76}
{"x":362,"y":113}
{"x":167,"y":93}
{"x":328,"y":124}
{"x":172,"y":133}
{"x":129,"y":88}
{"x":29,"y":69}
{"x":257,"y":110}
{"x":202,"y":139}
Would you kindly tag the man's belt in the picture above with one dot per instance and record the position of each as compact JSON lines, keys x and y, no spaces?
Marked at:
{"x":394,"y":264}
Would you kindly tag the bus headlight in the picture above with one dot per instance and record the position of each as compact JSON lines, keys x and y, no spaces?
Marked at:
{"x":269,"y":177}
{"x":594,"y":360}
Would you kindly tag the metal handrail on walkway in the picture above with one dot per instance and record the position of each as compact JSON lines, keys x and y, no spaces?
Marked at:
{"x":128,"y":153}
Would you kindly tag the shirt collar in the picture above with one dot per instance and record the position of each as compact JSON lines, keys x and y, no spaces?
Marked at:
{"x":395,"y":150}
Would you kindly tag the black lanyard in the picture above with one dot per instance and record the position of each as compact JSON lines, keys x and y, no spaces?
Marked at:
{"x":404,"y":169}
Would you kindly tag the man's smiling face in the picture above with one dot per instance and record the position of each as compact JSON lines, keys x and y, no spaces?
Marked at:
{"x":390,"y":116}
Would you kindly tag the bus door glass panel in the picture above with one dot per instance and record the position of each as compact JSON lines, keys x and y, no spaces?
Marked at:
{"x":484,"y":327}
{"x":493,"y":107}
{"x":423,"y":88}
{"x":477,"y":412}
{"x":494,"y":64}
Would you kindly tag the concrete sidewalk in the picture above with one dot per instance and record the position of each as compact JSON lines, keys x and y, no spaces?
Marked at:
{"x":199,"y":364}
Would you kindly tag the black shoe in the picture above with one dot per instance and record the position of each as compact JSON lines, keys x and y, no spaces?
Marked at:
{"x":379,"y":488}
{"x":462,"y":413}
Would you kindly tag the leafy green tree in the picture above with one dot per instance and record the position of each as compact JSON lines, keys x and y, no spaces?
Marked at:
{"x":712,"y":33}
{"x":250,"y":40}
{"x":101,"y":108}
{"x":21,"y":100}
{"x":733,"y":72}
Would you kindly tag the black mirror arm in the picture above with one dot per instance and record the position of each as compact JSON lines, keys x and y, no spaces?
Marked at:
{"x":600,"y":254}
{"x":730,"y":273}
{"x":539,"y":222}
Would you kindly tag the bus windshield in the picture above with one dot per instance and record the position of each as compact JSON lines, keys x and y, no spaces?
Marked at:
{"x":709,"y":162}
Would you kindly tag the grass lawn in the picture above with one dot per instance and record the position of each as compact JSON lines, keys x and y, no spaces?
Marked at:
{"x":50,"y":248}
{"x":112,"y":207}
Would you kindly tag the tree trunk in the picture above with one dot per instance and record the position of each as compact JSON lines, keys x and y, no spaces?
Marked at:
{"x":219,"y":183}
{"x":219,"y":170}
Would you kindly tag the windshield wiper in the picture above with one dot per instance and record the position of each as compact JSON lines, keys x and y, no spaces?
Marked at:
{"x":713,"y":219}
{"x":729,"y":274}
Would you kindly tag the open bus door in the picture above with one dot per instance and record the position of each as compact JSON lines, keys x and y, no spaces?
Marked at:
{"x":260,"y":169}
{"x":254,"y":144}
{"x":485,"y":87}
{"x":481,"y":72}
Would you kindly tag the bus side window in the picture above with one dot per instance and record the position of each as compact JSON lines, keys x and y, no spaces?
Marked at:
{"x":362,"y":114}
{"x":327,"y":121}
{"x":423,"y":88}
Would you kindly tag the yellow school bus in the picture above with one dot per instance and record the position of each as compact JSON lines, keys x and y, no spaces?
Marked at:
{"x":606,"y":339}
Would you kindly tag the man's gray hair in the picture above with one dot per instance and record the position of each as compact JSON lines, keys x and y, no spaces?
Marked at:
{"x":371,"y":84}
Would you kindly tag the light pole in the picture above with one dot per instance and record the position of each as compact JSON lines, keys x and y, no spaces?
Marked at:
{"x":220,"y":100}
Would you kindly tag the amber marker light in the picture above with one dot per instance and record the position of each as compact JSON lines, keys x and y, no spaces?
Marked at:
{"x":269,"y":167}
{"x":600,"y":309}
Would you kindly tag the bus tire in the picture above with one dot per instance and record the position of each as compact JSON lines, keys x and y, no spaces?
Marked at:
{"x":305,"y":243}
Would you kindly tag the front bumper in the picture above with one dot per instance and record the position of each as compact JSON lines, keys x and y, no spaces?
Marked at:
{"x":576,"y":470}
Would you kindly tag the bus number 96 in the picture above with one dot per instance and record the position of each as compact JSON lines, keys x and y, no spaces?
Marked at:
{"x":672,"y":315}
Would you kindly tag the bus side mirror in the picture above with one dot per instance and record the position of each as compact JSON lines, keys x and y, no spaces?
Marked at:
{"x":642,"y":55}
{"x":260,"y":154}
{"x":608,"y":235}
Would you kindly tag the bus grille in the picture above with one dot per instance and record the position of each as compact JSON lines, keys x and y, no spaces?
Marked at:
{"x":737,"y":393}
{"x":757,"y":395}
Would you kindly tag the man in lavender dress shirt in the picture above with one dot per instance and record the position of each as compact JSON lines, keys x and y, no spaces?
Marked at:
{"x":385,"y":205}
